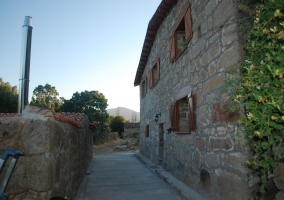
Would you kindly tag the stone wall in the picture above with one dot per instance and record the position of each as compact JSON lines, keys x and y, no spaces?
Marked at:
{"x":208,"y":159}
{"x":56,"y":158}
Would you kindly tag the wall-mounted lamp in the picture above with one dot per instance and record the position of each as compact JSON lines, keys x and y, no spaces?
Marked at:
{"x":157,"y":117}
{"x":169,"y":130}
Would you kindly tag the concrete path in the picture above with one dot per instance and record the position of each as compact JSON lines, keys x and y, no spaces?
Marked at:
{"x":121,"y":176}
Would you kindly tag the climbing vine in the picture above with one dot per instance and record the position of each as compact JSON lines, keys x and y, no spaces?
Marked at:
{"x":261,"y":88}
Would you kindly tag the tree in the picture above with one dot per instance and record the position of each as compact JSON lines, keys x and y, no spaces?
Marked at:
{"x":46,"y":97}
{"x":8,"y":97}
{"x":117,"y":124}
{"x":110,"y":117}
{"x":92,"y":103}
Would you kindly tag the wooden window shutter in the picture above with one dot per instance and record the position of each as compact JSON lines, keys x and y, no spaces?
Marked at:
{"x":172,"y":48}
{"x":150,"y":75}
{"x":146,"y":85}
{"x":191,"y":113}
{"x":175,"y":117}
{"x":158,"y":69}
{"x":147,"y":131}
{"x":188,"y":29}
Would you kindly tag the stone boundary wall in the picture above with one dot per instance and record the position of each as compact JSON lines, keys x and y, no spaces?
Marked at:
{"x":207,"y":160}
{"x":131,"y":125}
{"x":56,"y":158}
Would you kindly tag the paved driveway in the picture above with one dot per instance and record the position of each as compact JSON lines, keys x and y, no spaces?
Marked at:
{"x":121,"y":176}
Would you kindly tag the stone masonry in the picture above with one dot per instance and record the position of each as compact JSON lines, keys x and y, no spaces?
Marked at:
{"x":208,"y":158}
{"x":56,"y":157}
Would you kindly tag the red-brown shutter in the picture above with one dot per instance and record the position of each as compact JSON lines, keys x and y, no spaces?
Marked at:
{"x":172,"y":48}
{"x":175,"y":117}
{"x":191,"y":113}
{"x":147,"y":131}
{"x":158,"y":69}
{"x":146,"y":85}
{"x":188,"y":29}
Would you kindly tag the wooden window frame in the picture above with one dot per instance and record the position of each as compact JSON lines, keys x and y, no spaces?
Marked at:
{"x":147,"y":133}
{"x":184,"y":17}
{"x":152,"y":82}
{"x":174,"y":114}
{"x":143,"y":87}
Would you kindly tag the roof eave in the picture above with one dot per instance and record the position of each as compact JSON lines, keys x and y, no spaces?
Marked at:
{"x":162,"y":11}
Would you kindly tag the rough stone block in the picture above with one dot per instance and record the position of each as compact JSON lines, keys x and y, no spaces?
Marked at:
{"x":221,"y":143}
{"x":229,"y":34}
{"x":229,"y":127}
{"x":221,"y":114}
{"x":191,"y":176}
{"x":203,"y":75}
{"x":279,"y":177}
{"x":213,"y":82}
{"x":196,"y":158}
{"x":202,"y":115}
{"x":197,"y":99}
{"x":223,"y":12}
{"x":197,"y":48}
{"x":35,"y":143}
{"x":200,"y":142}
{"x":43,"y":167}
{"x":230,"y":186}
{"x":221,"y":130}
{"x":210,"y":7}
{"x":279,"y":195}
{"x":211,"y":160}
{"x":229,"y":58}
{"x":237,"y":161}
{"x":213,"y":51}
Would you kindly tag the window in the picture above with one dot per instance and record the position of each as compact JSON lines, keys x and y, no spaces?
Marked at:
{"x":143,"y":87}
{"x":147,"y":131}
{"x":182,"y":33}
{"x":154,"y":73}
{"x":181,"y":113}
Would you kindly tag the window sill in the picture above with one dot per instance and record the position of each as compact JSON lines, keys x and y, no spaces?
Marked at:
{"x":181,"y":53}
{"x":155,"y":85}
{"x":183,"y":132}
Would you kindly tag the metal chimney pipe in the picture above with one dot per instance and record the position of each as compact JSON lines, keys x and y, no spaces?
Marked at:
{"x":25,"y":64}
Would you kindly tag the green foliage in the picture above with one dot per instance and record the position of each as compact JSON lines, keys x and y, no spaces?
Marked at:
{"x":92,"y":103}
{"x":261,"y":88}
{"x":46,"y":97}
{"x":117,"y":124}
{"x":8,"y":97}
{"x":110,"y":117}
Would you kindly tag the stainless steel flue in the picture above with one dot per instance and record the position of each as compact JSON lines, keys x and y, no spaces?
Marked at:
{"x":25,"y":64}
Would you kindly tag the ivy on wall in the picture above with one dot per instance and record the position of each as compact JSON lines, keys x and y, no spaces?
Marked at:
{"x":261,"y":90}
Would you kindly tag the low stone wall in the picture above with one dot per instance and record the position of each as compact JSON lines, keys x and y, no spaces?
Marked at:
{"x":56,"y":158}
{"x":131,"y":125}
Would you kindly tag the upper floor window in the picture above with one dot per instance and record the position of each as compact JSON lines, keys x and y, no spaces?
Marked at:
{"x":154,"y":73}
{"x":182,"y":33}
{"x":143,"y":87}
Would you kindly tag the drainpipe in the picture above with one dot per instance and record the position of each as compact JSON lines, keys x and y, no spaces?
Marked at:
{"x":25,"y":64}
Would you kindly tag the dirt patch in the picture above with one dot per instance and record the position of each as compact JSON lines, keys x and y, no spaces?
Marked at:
{"x":130,"y":144}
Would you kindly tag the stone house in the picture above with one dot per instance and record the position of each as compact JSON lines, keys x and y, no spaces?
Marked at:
{"x":187,"y":48}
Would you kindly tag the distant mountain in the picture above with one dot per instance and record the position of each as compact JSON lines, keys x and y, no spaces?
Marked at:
{"x":128,"y":114}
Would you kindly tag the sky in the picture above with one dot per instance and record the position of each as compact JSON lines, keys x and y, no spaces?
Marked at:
{"x":78,"y":45}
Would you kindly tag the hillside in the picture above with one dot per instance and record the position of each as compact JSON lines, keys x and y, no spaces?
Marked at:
{"x":128,"y":114}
